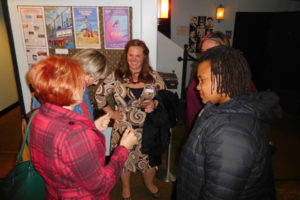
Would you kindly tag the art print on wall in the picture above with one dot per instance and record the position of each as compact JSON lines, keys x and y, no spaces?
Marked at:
{"x":86,"y":27}
{"x":199,"y":27}
{"x":59,"y":27}
{"x":116,"y":27}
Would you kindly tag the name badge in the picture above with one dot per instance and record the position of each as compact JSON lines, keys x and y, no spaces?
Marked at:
{"x":149,"y":90}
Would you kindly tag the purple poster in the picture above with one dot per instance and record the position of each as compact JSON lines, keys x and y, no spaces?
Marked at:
{"x":116,"y":27}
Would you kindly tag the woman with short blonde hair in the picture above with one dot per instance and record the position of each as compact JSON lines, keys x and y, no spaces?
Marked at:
{"x":93,"y":63}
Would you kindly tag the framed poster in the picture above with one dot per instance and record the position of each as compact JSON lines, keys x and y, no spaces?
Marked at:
{"x":116,"y":27}
{"x":199,"y":27}
{"x":86,"y":27}
{"x":59,"y":27}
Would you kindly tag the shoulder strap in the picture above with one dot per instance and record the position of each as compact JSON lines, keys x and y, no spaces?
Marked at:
{"x":27,"y":135}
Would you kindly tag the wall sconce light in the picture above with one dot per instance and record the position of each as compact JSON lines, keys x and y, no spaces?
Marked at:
{"x":163,"y":9}
{"x":220,"y":13}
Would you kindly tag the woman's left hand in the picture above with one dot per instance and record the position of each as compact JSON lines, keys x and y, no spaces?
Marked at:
{"x":102,"y":122}
{"x":150,"y":105}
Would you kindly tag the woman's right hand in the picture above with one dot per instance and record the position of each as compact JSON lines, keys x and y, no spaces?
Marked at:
{"x":129,"y":138}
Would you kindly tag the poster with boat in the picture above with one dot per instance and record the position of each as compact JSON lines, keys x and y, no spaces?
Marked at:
{"x":86,"y":27}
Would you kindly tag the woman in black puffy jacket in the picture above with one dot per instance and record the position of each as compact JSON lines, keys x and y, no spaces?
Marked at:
{"x":226,"y":155}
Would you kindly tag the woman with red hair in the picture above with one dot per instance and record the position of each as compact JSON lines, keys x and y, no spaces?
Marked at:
{"x":66,"y":148}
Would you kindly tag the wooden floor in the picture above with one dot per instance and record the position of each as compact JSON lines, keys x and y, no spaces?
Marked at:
{"x":286,"y":161}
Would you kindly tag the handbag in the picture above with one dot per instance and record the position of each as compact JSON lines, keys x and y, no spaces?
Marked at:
{"x":23,"y":182}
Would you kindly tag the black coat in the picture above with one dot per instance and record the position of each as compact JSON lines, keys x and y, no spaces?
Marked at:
{"x":226,"y":155}
{"x":156,"y":130}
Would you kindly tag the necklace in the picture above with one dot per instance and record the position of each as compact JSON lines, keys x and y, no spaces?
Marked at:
{"x":135,"y":82}
{"x":135,"y":76}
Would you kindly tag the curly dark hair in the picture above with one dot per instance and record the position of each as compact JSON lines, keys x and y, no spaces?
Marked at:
{"x":123,"y":71}
{"x":230,"y":70}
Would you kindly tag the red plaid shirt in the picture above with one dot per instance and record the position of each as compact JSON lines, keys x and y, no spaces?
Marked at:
{"x":69,"y":153}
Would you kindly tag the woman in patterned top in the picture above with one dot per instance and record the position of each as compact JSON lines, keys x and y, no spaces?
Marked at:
{"x":134,"y":86}
{"x":67,"y":149}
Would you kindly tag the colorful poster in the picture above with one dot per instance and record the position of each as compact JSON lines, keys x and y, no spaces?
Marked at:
{"x":116,"y":27}
{"x":35,"y":54}
{"x":59,"y":27}
{"x":86,"y":27}
{"x":33,"y":26}
{"x":199,"y":27}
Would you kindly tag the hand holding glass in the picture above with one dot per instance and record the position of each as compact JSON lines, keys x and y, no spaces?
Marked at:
{"x":145,"y":101}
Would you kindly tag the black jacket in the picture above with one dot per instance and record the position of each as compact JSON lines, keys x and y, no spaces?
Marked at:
{"x":156,"y":130}
{"x":226,"y":155}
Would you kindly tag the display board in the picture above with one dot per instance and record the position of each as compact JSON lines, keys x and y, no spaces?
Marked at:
{"x":64,"y":30}
{"x":41,"y":28}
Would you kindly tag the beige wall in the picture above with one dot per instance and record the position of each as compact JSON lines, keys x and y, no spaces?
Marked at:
{"x":8,"y":88}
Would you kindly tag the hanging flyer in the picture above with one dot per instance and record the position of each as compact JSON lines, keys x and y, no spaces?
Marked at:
{"x":35,"y":54}
{"x":34,"y":33}
{"x":116,"y":27}
{"x":86,"y":27}
{"x":33,"y":26}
